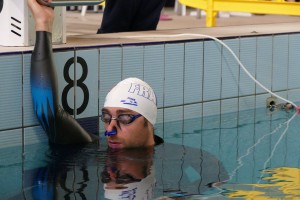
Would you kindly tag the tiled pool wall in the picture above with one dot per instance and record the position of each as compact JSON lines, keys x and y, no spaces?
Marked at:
{"x":192,"y":78}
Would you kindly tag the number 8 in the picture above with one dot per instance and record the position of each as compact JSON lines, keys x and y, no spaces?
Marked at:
{"x":71,"y":84}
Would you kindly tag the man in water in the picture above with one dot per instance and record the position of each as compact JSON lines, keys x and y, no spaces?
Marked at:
{"x":129,"y":112}
{"x":129,"y":115}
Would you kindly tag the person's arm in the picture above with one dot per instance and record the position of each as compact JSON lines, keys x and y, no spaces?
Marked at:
{"x":60,"y":127}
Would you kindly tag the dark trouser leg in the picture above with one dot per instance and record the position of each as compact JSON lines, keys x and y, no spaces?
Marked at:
{"x":117,"y":16}
{"x":130,"y":15}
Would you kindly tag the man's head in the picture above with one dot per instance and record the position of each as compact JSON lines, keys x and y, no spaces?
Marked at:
{"x":129,"y":114}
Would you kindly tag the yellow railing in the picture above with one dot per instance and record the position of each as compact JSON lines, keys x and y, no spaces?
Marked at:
{"x":212,"y":7}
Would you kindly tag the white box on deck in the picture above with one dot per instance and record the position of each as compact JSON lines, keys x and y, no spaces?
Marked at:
{"x":17,"y":24}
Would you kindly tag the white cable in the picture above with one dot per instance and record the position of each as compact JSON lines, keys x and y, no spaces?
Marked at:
{"x":227,"y":47}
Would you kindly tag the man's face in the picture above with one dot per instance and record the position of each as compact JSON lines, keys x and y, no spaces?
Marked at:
{"x":138,"y":133}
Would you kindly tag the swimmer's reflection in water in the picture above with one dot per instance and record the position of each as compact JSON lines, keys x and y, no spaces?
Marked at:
{"x":129,"y":174}
{"x":119,"y":173}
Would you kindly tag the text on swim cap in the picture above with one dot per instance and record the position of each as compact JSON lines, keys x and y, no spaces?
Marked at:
{"x":142,"y":91}
{"x":129,"y":101}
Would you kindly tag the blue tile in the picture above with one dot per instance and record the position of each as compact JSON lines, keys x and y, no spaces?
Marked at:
{"x":212,"y":71}
{"x":173,"y":132}
{"x":35,"y":135}
{"x":280,"y":62}
{"x":192,"y":111}
{"x":154,"y":70}
{"x":293,"y":149}
{"x":264,"y":63}
{"x":211,"y":108}
{"x":192,"y":134}
{"x":173,"y":125}
{"x":160,"y":116}
{"x":280,"y":147}
{"x":294,"y":60}
{"x":193,"y":72}
{"x":87,"y":75}
{"x":10,"y":138}
{"x":228,"y":148}
{"x":246,"y":103}
{"x":229,"y":105}
{"x":173,"y":114}
{"x":11,"y":174}
{"x":246,"y":129}
{"x":294,"y":96}
{"x":11,"y":92}
{"x":174,"y":62}
{"x":248,"y":58}
{"x":192,"y":125}
{"x":211,"y":138}
{"x":35,"y":158}
{"x":110,"y":71}
{"x":228,"y":122}
{"x":245,"y":170}
{"x":133,"y":62}
{"x":159,"y":126}
{"x":261,"y":100}
{"x":29,"y":115}
{"x":230,"y":69}
{"x":282,"y":94}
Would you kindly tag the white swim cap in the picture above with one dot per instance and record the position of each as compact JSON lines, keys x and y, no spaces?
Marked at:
{"x":136,"y":95}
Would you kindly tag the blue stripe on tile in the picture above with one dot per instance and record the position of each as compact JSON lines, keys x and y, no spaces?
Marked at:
{"x":248,"y":58}
{"x":159,"y":126}
{"x":211,"y":108}
{"x":294,"y":95}
{"x":212,"y":71}
{"x":246,"y":103}
{"x":193,"y":72}
{"x":29,"y":115}
{"x":264,"y":63}
{"x":280,"y":62}
{"x":154,"y":67}
{"x":110,"y":70}
{"x":133,"y":62}
{"x":294,"y":61}
{"x":173,"y":121}
{"x":229,"y":105}
{"x":230,"y":70}
{"x":11,"y":91}
{"x":35,"y":135}
{"x":192,"y":111}
{"x":174,"y":62}
{"x":173,"y":114}
{"x":261,"y":100}
{"x":10,"y":138}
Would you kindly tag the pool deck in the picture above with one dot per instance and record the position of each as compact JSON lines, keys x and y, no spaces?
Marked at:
{"x":188,"y":26}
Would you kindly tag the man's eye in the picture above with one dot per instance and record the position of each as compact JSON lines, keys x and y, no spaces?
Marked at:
{"x":125,"y":117}
{"x":105,"y":116}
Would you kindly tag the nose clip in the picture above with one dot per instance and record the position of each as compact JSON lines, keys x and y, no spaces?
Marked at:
{"x":110,"y":133}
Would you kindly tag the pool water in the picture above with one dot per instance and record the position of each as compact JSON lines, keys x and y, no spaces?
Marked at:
{"x":251,"y":154}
